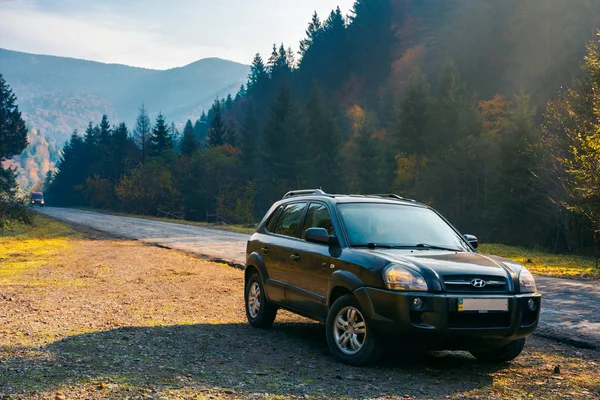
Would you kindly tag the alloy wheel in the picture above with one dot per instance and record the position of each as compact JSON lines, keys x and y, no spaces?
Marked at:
{"x":254,"y":300}
{"x":350,"y":330}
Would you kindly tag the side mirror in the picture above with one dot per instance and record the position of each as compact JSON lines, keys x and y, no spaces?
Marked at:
{"x":473,"y":241}
{"x":320,"y":236}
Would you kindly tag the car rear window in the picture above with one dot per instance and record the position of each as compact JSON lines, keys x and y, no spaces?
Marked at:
{"x":289,"y":221}
{"x":273,"y":219}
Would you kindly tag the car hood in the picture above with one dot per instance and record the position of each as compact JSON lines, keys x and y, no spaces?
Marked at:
{"x":443,"y":263}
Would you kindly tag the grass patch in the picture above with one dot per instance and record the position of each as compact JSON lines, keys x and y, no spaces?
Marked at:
{"x":24,"y":247}
{"x":543,"y":263}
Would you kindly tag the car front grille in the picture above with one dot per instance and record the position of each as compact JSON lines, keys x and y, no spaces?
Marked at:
{"x":464,"y":284}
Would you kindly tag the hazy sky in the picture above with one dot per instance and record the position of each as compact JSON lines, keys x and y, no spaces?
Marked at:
{"x":157,"y":33}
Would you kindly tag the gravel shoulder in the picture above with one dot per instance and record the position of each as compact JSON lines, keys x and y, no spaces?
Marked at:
{"x":108,"y":318}
{"x":570,"y":309}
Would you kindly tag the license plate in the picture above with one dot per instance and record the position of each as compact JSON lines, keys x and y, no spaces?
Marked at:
{"x":482,"y":305}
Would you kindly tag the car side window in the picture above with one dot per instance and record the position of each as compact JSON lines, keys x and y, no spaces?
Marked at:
{"x":290,"y":219}
{"x":273,"y":219}
{"x":318,"y":217}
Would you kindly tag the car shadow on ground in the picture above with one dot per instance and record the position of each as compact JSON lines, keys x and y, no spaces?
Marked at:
{"x":288,"y":359}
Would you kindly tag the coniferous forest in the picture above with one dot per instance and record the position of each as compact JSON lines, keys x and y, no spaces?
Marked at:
{"x":489,"y":111}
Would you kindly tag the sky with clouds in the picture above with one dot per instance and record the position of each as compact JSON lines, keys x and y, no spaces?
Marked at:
{"x":157,"y":34}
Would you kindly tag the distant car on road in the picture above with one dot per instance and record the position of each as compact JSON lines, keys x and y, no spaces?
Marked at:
{"x":383,"y":271}
{"x":37,"y":199}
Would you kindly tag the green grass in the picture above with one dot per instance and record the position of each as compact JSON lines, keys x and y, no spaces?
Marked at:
{"x":543,"y":263}
{"x":25,"y":247}
{"x":247,"y":229}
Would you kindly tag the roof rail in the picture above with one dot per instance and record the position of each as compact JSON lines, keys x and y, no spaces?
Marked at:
{"x":305,"y":192}
{"x":393,"y":196}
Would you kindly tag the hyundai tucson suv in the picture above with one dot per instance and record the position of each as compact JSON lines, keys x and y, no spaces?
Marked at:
{"x":384,"y":271}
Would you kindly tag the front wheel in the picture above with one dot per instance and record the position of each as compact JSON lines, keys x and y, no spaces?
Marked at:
{"x":349,"y":336}
{"x":504,"y":354}
{"x":259,"y":311}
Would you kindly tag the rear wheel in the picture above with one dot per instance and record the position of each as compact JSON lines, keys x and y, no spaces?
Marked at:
{"x":260,"y":313}
{"x":504,"y":354}
{"x":349,"y":336}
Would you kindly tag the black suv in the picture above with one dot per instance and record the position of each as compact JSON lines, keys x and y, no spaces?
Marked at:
{"x":383,"y":270}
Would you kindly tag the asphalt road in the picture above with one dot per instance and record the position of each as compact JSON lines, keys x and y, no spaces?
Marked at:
{"x":570,"y":309}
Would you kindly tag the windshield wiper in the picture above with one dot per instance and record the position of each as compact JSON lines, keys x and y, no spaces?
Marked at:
{"x":424,"y":246}
{"x":434,"y":247}
{"x":374,"y":246}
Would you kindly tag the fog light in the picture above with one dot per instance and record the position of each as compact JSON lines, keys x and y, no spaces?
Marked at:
{"x":531,"y":304}
{"x":418,"y":303}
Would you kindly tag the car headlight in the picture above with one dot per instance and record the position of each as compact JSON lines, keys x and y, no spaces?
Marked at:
{"x":398,"y":277}
{"x":42,"y":201}
{"x":32,"y":201}
{"x":526,"y":281}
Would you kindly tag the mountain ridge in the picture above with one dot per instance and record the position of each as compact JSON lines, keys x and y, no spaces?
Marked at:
{"x":26,"y":53}
{"x":60,"y":94}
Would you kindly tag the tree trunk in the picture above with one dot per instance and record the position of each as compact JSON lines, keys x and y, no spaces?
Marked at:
{"x":596,"y":252}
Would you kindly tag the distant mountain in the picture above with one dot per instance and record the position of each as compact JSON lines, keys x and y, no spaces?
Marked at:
{"x":59,"y":94}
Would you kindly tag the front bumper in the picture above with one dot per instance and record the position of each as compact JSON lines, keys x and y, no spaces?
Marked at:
{"x":439,"y":325}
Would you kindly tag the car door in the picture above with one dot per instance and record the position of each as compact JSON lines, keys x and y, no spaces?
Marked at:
{"x":311,"y":265}
{"x":277,"y":245}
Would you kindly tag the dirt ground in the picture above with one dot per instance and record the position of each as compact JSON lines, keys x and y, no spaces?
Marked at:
{"x":105,"y":318}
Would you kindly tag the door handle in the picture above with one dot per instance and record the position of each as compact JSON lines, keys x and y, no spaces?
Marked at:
{"x":265,"y":250}
{"x":295,"y":257}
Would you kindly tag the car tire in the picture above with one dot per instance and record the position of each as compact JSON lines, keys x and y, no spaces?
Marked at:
{"x":351,"y":340}
{"x":259,"y":311}
{"x":504,"y":354}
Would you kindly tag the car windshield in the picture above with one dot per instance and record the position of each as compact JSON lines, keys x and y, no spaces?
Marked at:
{"x":398,"y":226}
{"x":37,"y":196}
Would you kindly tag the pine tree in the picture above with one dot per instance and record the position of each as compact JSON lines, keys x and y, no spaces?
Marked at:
{"x":249,"y":139}
{"x":230,"y":137}
{"x":201,"y":128}
{"x":119,"y":146}
{"x":91,"y":135}
{"x":142,"y":132}
{"x":13,"y":131}
{"x":217,"y":131}
{"x":412,"y":135}
{"x":313,"y":32}
{"x":283,"y":141}
{"x":324,"y":53}
{"x":370,"y":32}
{"x":13,"y":140}
{"x":241,"y":93}
{"x":188,"y":144}
{"x":174,"y":133}
{"x":105,"y":132}
{"x":71,"y":172}
{"x":160,"y":139}
{"x":258,"y":73}
{"x":120,"y":135}
{"x":518,"y":194}
{"x":228,"y":103}
{"x":324,"y":140}
{"x":279,"y":64}
{"x":415,"y":113}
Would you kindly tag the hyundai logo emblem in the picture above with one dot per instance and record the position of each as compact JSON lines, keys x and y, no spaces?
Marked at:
{"x":478,"y":283}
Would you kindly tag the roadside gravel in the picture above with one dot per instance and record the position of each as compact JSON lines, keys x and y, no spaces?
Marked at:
{"x":117,"y":319}
{"x":570,"y":309}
